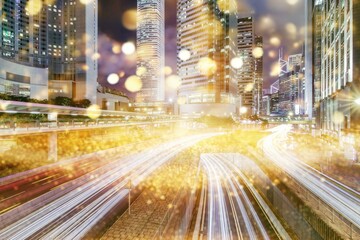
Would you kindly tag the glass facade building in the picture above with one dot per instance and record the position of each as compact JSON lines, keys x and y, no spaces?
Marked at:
{"x":151,"y":49}
{"x":207,"y":30}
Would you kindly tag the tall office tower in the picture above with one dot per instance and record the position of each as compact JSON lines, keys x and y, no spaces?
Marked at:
{"x":340,"y":58}
{"x":207,"y":30}
{"x":316,"y":61}
{"x":23,"y":49}
{"x":73,"y":31}
{"x":246,"y":74}
{"x":259,"y":79}
{"x":151,"y":49}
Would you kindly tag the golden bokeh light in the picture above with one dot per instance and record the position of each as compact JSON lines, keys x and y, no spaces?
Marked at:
{"x":237,"y":62}
{"x":128,"y":48}
{"x":258,"y":52}
{"x":249,"y":87}
{"x":140,"y":71}
{"x":113,"y":78}
{"x":33,"y":7}
{"x":93,"y":112}
{"x":207,"y":66}
{"x":85,"y":2}
{"x":129,"y":19}
{"x":167,"y":70}
{"x":184,"y":54}
{"x":133,"y":84}
{"x":275,"y":41}
{"x":275,"y":69}
{"x":116,"y":48}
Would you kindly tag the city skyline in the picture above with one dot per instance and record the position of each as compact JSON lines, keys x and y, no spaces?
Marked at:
{"x":283,"y":21}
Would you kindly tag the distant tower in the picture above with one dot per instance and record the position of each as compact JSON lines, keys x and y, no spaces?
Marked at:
{"x":246,"y":44}
{"x":151,"y":49}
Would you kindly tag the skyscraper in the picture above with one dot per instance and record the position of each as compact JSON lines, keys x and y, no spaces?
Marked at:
{"x":73,"y":53}
{"x":23,"y":49}
{"x":246,"y":74}
{"x":49,"y":50}
{"x":151,"y":49}
{"x":259,"y":79}
{"x":339,"y":57}
{"x":207,"y":31}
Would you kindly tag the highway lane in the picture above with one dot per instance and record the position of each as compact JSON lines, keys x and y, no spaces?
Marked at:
{"x":338,"y":196}
{"x":230,"y":212}
{"x":22,"y":187}
{"x":73,"y":214}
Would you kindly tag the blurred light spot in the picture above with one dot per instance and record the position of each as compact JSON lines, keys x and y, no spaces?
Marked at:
{"x":173,"y":81}
{"x":291,"y":28}
{"x":96,"y":56}
{"x":237,"y":62}
{"x":140,"y":71}
{"x":243,"y":110}
{"x":86,"y":1}
{"x":128,"y":48}
{"x":129,"y":19}
{"x":49,"y":2}
{"x":272,"y":54}
{"x":116,"y":48}
{"x":258,"y":52}
{"x":113,"y":78}
{"x":121,"y":74}
{"x":33,"y":7}
{"x":275,"y":41}
{"x":133,"y":84}
{"x":167,"y":70}
{"x":275,"y":69}
{"x":184,"y":54}
{"x":249,"y":87}
{"x":207,"y":66}
{"x":85,"y":67}
{"x":93,"y":111}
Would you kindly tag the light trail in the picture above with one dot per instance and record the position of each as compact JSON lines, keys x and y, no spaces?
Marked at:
{"x":338,"y":196}
{"x":220,"y":176}
{"x":72,"y":215}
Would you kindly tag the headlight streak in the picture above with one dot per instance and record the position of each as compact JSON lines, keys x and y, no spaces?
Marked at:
{"x":220,"y":175}
{"x":341,"y":198}
{"x":139,"y":166}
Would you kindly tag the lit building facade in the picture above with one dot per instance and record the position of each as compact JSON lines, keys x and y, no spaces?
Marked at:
{"x":151,"y":49}
{"x":247,"y":73}
{"x":259,"y":79}
{"x":23,"y":50}
{"x":73,"y":54}
{"x":48,"y":50}
{"x":337,"y":78}
{"x":208,"y":30}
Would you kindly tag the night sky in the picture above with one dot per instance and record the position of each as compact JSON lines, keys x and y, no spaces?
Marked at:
{"x":283,"y":19}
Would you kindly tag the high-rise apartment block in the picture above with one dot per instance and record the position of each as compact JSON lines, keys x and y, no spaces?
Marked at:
{"x":151,"y":49}
{"x":47,"y":50}
{"x":208,"y":31}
